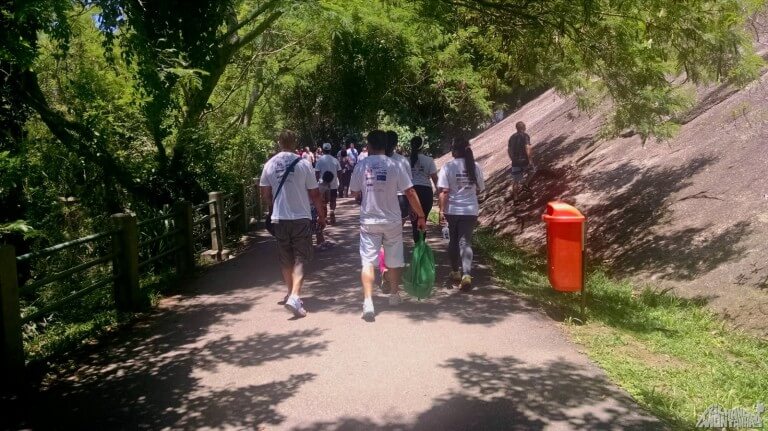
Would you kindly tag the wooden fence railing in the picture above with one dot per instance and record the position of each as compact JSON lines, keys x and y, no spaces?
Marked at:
{"x":187,"y":230}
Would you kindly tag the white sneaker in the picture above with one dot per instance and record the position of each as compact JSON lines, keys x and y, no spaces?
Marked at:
{"x":295,"y":306}
{"x":368,"y":313}
{"x":395,"y":299}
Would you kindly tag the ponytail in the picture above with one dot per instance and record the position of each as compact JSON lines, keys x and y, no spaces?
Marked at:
{"x":416,"y":143}
{"x":462,"y":150}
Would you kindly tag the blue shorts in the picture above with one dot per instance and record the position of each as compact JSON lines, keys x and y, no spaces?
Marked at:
{"x":519,"y":173}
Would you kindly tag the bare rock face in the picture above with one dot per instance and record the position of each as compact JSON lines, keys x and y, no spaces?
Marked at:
{"x":689,"y":214}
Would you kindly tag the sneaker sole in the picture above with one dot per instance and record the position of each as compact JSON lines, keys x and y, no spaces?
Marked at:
{"x":294,"y":311}
{"x":466,"y":288}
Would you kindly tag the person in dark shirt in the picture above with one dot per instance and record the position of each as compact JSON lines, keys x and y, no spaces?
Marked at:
{"x":521,"y":154}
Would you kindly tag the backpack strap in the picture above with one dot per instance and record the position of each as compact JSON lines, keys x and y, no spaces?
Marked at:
{"x":285,"y":177}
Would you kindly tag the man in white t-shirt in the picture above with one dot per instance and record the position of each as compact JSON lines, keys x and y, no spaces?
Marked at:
{"x":375,"y":182}
{"x":328,"y":163}
{"x":352,"y":153}
{"x":291,"y":214}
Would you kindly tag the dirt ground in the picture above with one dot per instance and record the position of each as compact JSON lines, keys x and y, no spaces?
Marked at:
{"x":689,"y":214}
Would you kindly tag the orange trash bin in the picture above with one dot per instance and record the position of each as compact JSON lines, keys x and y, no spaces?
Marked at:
{"x":565,"y":246}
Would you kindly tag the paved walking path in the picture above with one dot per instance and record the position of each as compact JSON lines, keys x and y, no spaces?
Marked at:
{"x":224,"y":354}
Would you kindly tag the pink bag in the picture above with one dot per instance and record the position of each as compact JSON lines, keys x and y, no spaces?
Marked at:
{"x":382,"y":264}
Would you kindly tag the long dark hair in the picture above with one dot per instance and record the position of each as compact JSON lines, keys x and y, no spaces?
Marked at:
{"x":462,"y":150}
{"x":416,"y":143}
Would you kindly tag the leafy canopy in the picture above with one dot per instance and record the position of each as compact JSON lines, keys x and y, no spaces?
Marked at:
{"x":632,"y":50}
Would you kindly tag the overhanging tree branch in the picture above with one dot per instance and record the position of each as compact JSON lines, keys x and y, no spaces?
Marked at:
{"x":77,"y":137}
{"x":258,"y":30}
{"x":232,"y":31}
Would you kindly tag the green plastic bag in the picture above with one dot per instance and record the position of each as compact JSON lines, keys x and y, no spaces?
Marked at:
{"x":419,"y":277}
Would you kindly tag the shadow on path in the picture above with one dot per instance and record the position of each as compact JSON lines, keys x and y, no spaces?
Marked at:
{"x":150,"y":378}
{"x":225,"y":355}
{"x":506,"y":393}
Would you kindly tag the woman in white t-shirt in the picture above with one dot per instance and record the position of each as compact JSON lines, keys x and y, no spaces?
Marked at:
{"x":459,"y":182}
{"x":424,"y":173}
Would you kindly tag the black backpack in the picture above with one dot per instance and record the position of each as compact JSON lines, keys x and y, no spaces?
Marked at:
{"x":517,"y":143}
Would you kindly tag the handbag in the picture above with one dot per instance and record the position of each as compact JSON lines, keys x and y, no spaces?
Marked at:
{"x":268,"y":222}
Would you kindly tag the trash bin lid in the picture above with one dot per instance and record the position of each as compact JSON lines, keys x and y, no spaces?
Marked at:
{"x":562,"y":212}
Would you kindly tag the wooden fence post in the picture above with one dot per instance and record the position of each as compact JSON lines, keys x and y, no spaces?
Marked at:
{"x":12,"y":348}
{"x":216,"y":210}
{"x":243,"y":205}
{"x":125,"y":267}
{"x":185,"y":257}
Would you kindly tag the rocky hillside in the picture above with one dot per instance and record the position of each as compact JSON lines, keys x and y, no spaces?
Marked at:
{"x":690,"y":214}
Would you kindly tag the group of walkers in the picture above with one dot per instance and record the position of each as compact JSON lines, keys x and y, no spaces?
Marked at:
{"x":391,"y":189}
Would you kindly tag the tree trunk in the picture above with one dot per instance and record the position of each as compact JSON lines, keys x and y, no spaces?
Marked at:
{"x":247,"y":116}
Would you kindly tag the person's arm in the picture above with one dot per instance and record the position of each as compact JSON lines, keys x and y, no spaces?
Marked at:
{"x":433,"y":171}
{"x":317,"y":200}
{"x":442,"y":203}
{"x":405,"y":184}
{"x":442,"y":193}
{"x":314,"y":194}
{"x":480,"y":179}
{"x":509,"y":150}
{"x":413,"y":199}
{"x":266,"y":197}
{"x":529,"y":150}
{"x":356,"y":184}
{"x":338,"y":169}
{"x":265,"y":189}
{"x":434,"y":179}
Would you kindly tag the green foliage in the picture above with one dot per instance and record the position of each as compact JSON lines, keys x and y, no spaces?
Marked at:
{"x":19,"y":226}
{"x":374,"y":62}
{"x":632,"y":50}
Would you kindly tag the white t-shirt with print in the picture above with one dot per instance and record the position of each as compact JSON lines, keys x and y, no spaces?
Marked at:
{"x":326,"y":163}
{"x":352,"y":153}
{"x":293,"y":201}
{"x":379,"y":178}
{"x":462,"y":195}
{"x":423,"y":170}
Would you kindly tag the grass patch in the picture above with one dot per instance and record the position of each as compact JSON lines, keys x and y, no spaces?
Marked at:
{"x":434,"y":217}
{"x":673,"y":355}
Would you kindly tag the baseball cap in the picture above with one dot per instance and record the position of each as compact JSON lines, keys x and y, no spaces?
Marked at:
{"x":326,"y":147}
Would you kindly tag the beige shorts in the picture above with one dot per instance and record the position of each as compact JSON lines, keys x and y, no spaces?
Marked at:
{"x":375,"y":236}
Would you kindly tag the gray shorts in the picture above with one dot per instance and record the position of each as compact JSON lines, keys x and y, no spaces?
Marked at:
{"x":294,"y":241}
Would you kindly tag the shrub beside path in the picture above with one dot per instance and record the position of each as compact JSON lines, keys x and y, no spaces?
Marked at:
{"x":224,"y":354}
